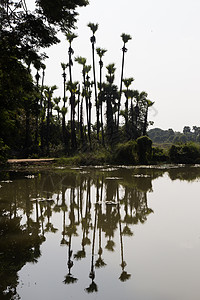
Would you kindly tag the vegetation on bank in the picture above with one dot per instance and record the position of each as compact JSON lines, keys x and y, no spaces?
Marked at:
{"x":138,"y":152}
{"x":33,"y":122}
{"x":130,"y":153}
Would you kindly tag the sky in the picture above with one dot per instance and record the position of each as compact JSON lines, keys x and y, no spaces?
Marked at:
{"x":163,"y":56}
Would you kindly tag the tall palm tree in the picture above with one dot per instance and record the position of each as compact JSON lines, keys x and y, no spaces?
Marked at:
{"x":82,"y":61}
{"x":57,"y":107}
{"x":42,"y":110}
{"x":87,"y":94}
{"x":64,"y":66}
{"x":70,"y":37}
{"x":94,"y":28}
{"x":110,"y":92}
{"x":125,"y":39}
{"x":37,"y":77}
{"x":73,"y":88}
{"x":100,"y":53}
{"x":128,"y":94}
{"x":48,"y":94}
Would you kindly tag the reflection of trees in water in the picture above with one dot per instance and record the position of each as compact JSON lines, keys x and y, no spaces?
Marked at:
{"x":19,"y":241}
{"x":100,"y":207}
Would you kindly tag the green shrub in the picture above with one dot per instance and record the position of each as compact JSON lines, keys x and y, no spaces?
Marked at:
{"x":125,"y":153}
{"x":159,"y":155}
{"x":3,"y":152}
{"x":188,"y":153}
{"x":144,"y":149}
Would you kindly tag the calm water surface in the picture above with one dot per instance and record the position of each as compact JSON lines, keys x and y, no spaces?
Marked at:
{"x":96,"y":233}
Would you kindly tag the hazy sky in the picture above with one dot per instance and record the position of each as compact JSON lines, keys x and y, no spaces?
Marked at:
{"x":163,"y":56}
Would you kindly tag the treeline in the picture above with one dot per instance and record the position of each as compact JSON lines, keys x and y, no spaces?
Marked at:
{"x":33,"y":122}
{"x":188,"y":134}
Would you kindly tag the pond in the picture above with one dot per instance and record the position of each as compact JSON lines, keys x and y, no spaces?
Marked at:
{"x":100,"y":232}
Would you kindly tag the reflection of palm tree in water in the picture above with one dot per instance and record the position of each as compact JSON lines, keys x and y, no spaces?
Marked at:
{"x":70,"y":230}
{"x":110,"y":218}
{"x":128,"y":219}
{"x":85,"y":220}
{"x":99,"y":262}
{"x":93,"y":286}
{"x":69,"y":278}
{"x":124,"y":275}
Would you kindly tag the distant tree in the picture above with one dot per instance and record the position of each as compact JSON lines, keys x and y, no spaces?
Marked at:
{"x":186,"y":129}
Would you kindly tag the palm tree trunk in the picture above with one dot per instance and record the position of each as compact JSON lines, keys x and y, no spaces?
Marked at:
{"x":120,"y":92}
{"x":48,"y":124}
{"x":101,"y":106}
{"x":42,"y":114}
{"x":95,"y":90}
{"x":72,"y":102}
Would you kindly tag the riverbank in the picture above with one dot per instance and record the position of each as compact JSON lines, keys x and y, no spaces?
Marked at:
{"x":129,"y":153}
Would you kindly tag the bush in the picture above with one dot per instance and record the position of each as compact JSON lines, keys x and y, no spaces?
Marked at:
{"x":125,"y":153}
{"x":188,"y":153}
{"x":144,"y":149}
{"x":159,"y":155}
{"x":3,"y":152}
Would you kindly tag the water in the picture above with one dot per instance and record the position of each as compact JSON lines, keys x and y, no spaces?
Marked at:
{"x":97,"y":233}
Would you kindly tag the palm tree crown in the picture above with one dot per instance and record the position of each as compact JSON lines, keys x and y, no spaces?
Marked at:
{"x":71,"y":36}
{"x":80,"y":60}
{"x":101,"y":52}
{"x":125,"y":37}
{"x":93,"y":27}
{"x":127,"y":81}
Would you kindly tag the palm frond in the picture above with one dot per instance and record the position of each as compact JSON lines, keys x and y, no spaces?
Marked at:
{"x":125,"y":37}
{"x":93,"y":27}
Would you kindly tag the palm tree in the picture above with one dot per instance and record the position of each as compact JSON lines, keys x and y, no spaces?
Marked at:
{"x":73,"y":88}
{"x":128,"y":94}
{"x":64,"y":66}
{"x":64,"y":109}
{"x":87,"y":93}
{"x":37,"y":77}
{"x":94,"y":28}
{"x":110,"y":92}
{"x":42,"y":110}
{"x":70,"y":37}
{"x":125,"y":39}
{"x":57,"y":107}
{"x":48,"y":93}
{"x":82,"y":61}
{"x":101,"y":52}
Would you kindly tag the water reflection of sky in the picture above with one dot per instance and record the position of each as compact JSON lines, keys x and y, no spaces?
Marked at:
{"x":158,"y":260}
